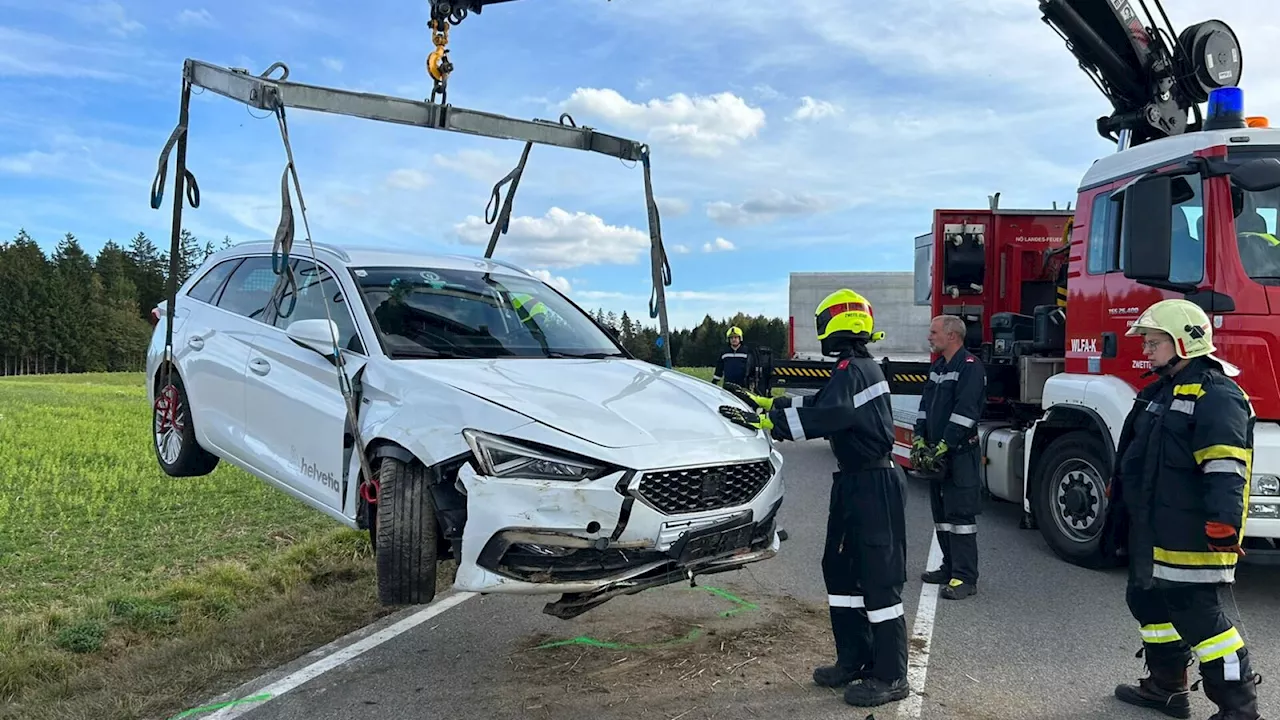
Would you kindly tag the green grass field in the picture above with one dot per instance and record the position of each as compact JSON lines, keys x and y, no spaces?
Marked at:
{"x":124,"y":592}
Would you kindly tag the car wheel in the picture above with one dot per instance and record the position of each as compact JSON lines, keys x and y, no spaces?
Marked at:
{"x":174,"y":434}
{"x":405,"y":524}
{"x":1071,"y":500}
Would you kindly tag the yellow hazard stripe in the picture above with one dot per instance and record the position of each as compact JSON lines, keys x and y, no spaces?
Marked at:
{"x":910,"y":378}
{"x":801,"y":372}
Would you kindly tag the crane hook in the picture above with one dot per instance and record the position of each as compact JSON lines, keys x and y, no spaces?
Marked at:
{"x":438,"y":64}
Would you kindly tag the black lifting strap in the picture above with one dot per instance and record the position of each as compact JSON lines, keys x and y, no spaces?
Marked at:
{"x":282,"y":246}
{"x":501,"y":220}
{"x":658,"y":256}
{"x":162,"y":170}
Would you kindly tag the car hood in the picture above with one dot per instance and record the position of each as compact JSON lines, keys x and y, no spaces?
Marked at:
{"x":613,"y":403}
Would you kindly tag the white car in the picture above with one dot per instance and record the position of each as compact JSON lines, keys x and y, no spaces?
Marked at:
{"x":505,"y":427}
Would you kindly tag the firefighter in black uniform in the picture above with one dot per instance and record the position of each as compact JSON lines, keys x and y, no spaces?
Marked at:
{"x":864,"y":564}
{"x":1178,"y":504}
{"x":946,"y":445}
{"x":734,"y":365}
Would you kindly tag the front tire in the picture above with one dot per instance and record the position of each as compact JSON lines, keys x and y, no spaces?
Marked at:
{"x":1071,"y":501}
{"x":405,"y":527}
{"x":174,"y":434}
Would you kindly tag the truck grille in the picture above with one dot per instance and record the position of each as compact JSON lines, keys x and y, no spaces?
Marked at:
{"x":706,"y":488}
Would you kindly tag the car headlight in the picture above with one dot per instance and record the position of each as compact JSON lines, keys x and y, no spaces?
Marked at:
{"x":505,"y":458}
{"x":1266,"y":485}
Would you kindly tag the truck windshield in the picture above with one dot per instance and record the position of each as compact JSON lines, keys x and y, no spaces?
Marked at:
{"x":425,"y":312}
{"x":1256,"y":231}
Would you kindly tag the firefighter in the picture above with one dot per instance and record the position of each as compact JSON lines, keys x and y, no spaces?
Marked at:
{"x":734,"y":365}
{"x":946,"y":446}
{"x":864,"y":562}
{"x":1179,"y":500}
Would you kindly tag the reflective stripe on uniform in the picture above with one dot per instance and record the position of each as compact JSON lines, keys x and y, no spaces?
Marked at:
{"x":848,"y":601}
{"x":964,"y":529}
{"x":952,"y":376}
{"x":1224,"y":646}
{"x":1225,"y":466}
{"x":886,"y":614}
{"x":1209,"y":575}
{"x":871,"y":393}
{"x":1187,"y":407}
{"x":942,"y":527}
{"x":793,"y":423}
{"x":962,"y":421}
{"x":1160,"y":633}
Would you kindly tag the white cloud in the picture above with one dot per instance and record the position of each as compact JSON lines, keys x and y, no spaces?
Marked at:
{"x":479,"y":165}
{"x":811,"y":109}
{"x":407,"y":179}
{"x":767,"y":207}
{"x":720,"y":245}
{"x":702,"y":125}
{"x":333,"y":64}
{"x":678,"y":248}
{"x":558,"y":282}
{"x":560,"y":239}
{"x":196,"y":18}
{"x":109,"y":15}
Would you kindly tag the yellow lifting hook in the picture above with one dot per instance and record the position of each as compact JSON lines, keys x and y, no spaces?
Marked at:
{"x":438,"y":65}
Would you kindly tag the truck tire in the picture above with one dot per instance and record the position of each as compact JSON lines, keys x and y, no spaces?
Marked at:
{"x":405,"y":524}
{"x":173,"y":432}
{"x":1071,"y":501}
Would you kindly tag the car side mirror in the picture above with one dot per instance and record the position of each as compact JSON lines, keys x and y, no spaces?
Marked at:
{"x":1147,"y":229}
{"x":316,"y":335}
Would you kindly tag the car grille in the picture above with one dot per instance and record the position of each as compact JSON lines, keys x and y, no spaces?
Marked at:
{"x":705,"y":488}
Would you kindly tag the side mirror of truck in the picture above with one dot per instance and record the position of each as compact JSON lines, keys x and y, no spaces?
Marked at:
{"x":1257,"y":175}
{"x":1147,"y":228}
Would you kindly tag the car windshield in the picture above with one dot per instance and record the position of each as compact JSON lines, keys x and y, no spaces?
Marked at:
{"x":423,"y":312}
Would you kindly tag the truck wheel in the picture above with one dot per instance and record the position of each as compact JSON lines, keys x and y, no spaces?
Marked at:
{"x":406,"y":534}
{"x":174,"y":434}
{"x":1071,"y":501}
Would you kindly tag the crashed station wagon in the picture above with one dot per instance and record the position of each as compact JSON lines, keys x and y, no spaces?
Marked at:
{"x":501,"y":425}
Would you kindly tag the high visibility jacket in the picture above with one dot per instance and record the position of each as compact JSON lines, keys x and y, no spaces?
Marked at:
{"x":1185,"y":459}
{"x":853,"y":411}
{"x":952,"y":401}
{"x":734,"y":365}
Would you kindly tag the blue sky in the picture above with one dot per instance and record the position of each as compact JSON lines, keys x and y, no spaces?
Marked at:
{"x":818,"y":140}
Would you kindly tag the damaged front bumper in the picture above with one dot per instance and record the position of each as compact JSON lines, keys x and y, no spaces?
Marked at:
{"x":622,"y":534}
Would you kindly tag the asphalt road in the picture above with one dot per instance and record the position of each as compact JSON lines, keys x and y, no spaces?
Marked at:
{"x":1042,"y":639}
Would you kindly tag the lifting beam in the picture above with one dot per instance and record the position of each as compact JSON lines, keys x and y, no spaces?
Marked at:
{"x":266,"y":93}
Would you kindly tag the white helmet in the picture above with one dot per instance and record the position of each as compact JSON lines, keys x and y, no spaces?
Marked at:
{"x":1189,"y":326}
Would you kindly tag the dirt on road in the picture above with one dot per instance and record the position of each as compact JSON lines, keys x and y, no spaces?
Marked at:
{"x":703,"y":664}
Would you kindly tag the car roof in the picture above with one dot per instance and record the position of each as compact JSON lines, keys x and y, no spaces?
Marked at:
{"x":356,"y":256}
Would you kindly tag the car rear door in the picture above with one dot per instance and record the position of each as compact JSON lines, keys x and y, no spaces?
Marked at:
{"x":297,"y":414}
{"x":215,"y":347}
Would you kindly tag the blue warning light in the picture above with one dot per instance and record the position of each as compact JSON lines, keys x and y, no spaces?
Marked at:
{"x":1226,"y":109}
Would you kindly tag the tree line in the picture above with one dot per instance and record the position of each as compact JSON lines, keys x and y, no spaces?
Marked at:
{"x":73,"y":312}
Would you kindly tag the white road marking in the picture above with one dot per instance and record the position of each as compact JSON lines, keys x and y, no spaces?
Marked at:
{"x":921,"y":635}
{"x":344,"y":655}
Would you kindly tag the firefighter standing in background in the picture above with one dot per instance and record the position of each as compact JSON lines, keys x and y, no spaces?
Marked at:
{"x":734,"y":365}
{"x":864,"y":564}
{"x":1182,"y":489}
{"x":946,"y":444}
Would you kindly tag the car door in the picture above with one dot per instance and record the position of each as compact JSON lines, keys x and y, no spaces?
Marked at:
{"x":297,"y":414}
{"x":216,"y":339}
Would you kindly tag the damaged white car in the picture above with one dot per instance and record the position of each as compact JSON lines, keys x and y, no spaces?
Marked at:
{"x":503,"y":426}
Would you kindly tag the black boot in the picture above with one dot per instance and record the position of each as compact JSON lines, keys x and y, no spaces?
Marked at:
{"x":1236,"y":700}
{"x":853,"y":649}
{"x":1165,"y":689}
{"x":874,"y":691}
{"x":937,"y":577}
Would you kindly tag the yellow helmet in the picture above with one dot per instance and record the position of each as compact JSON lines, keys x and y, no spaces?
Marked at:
{"x":735,"y":330}
{"x":1189,"y":326}
{"x":846,"y":311}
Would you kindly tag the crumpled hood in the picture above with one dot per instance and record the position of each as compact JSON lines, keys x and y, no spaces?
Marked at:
{"x":614,"y":403}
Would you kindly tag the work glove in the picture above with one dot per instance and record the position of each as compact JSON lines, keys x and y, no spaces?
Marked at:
{"x":748,"y":397}
{"x":1223,"y":538}
{"x":750,"y":420}
{"x":931,"y":457}
{"x":918,"y":449}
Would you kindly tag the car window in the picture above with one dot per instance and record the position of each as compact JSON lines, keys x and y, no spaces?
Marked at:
{"x":249,"y":288}
{"x":438,"y":312}
{"x":205,"y":287}
{"x":313,"y":289}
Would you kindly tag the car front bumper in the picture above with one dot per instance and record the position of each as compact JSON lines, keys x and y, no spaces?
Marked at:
{"x":619,"y":534}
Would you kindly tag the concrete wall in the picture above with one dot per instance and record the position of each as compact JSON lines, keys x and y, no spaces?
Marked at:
{"x":892,"y":294}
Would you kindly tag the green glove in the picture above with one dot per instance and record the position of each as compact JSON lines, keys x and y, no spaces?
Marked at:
{"x":750,"y":420}
{"x":748,"y":397}
{"x":918,"y":451}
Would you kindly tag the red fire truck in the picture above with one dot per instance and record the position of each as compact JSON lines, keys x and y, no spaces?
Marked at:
{"x":1184,"y":208}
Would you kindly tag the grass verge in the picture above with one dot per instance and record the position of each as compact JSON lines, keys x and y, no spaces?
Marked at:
{"x":125,"y":593}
